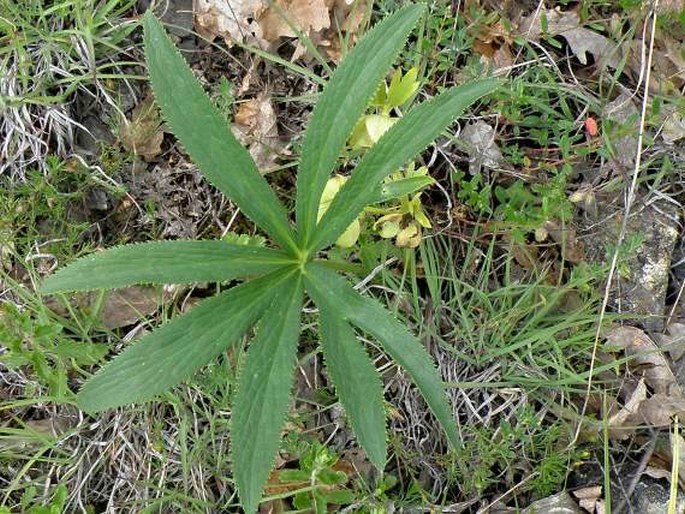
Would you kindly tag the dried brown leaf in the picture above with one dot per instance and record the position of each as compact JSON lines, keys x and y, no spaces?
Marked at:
{"x":126,"y":306}
{"x":619,"y":428}
{"x":485,"y":49}
{"x":346,"y":19}
{"x":327,"y":42}
{"x":590,"y":498}
{"x":277,"y":486}
{"x":673,"y":126}
{"x":582,"y":41}
{"x":659,"y":410}
{"x":273,"y":507}
{"x":502,"y":58}
{"x":120,"y":307}
{"x":255,"y":126}
{"x":647,"y":358}
{"x":233,"y":20}
{"x":658,"y":473}
{"x":305,"y":15}
{"x":34,"y":432}
{"x":560,"y":503}
{"x":143,"y":134}
{"x":482,"y":149}
{"x":588,"y":493}
{"x":673,"y":341}
{"x":600,"y":507}
{"x":265,"y":23}
{"x":526,"y":255}
{"x":668,"y":62}
{"x":584,"y":197}
{"x":572,"y":249}
{"x":668,"y":400}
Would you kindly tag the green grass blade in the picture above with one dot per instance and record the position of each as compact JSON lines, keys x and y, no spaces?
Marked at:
{"x":409,"y":136}
{"x":356,"y":382}
{"x":206,"y":136}
{"x":163,"y":262}
{"x":327,"y":288}
{"x":176,"y":350}
{"x":343,"y":101}
{"x":263,"y":395}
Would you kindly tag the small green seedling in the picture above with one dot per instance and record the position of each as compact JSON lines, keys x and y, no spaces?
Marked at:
{"x":272,"y":296}
{"x":56,"y":506}
{"x":36,"y":342}
{"x":318,"y":482}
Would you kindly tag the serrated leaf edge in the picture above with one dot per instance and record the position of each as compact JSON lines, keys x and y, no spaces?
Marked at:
{"x":252,"y":506}
{"x":375,"y":399}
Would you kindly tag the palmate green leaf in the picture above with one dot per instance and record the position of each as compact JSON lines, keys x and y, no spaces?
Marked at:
{"x":409,"y":136}
{"x":327,"y":288}
{"x":206,"y":136}
{"x":176,"y":350}
{"x":264,"y":387}
{"x":356,"y":382}
{"x":340,"y":106}
{"x":164,"y":262}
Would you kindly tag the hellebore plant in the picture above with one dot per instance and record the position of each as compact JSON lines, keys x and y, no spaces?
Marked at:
{"x":276,"y":279}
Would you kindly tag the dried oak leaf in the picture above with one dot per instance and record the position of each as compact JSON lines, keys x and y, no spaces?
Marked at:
{"x":143,"y":135}
{"x":582,"y":41}
{"x":346,"y":18}
{"x":640,"y":408}
{"x":493,"y":42}
{"x":668,"y":64}
{"x":305,"y":15}
{"x":658,"y":410}
{"x":233,"y":20}
{"x":121,"y":307}
{"x":647,"y":357}
{"x":36,"y":431}
{"x":265,"y":23}
{"x":502,"y":58}
{"x":572,"y":248}
{"x":560,"y":503}
{"x":128,"y":305}
{"x":255,"y":126}
{"x":589,"y":498}
{"x":673,"y":341}
{"x":673,"y":126}
{"x":619,"y":428}
{"x":481,"y":146}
